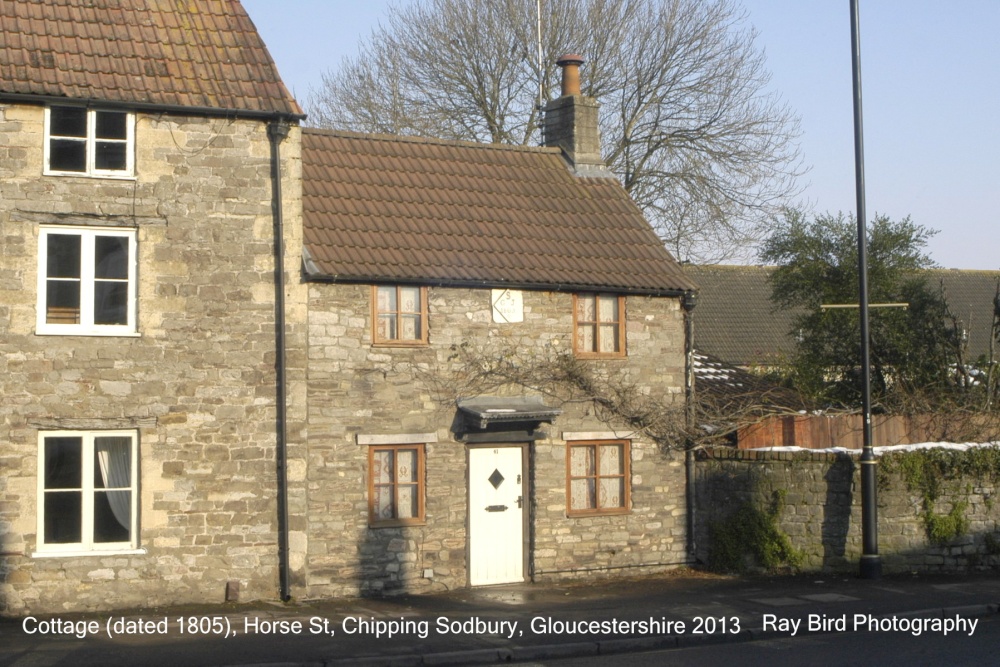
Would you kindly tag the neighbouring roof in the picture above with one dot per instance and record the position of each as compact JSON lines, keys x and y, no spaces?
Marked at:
{"x":725,"y":389}
{"x":736,"y":321}
{"x":393,"y":209}
{"x":162,"y":53}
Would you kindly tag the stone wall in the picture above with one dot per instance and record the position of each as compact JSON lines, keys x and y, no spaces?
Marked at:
{"x":822,"y":510}
{"x":197,"y":383}
{"x":356,"y":389}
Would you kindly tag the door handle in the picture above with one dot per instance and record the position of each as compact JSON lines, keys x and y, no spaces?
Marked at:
{"x":519,"y":502}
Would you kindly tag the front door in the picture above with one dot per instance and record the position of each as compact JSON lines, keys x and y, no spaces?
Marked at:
{"x":496,"y":515}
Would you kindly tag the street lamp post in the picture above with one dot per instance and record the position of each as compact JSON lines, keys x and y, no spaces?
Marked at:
{"x":871,"y":562}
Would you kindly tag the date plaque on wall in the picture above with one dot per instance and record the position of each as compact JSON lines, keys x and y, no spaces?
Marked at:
{"x":508,"y":306}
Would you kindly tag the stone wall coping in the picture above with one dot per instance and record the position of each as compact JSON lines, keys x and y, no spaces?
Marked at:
{"x":765,"y":456}
{"x":396,"y":438}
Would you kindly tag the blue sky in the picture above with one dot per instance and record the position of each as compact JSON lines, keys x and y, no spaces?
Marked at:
{"x":931,"y":91}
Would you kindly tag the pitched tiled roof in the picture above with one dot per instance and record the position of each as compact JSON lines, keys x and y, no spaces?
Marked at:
{"x":970,"y":297}
{"x":391,"y":209}
{"x":736,"y":321}
{"x":165,"y":53}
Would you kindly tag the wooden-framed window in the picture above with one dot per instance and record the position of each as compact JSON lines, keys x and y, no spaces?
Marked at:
{"x":395,"y":485}
{"x":87,"y":492}
{"x":86,"y":281}
{"x":599,"y":325}
{"x":400,"y":315}
{"x":598,"y":478}
{"x":89,"y":142}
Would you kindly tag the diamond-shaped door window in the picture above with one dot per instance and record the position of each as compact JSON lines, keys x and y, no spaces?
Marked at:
{"x":496,"y":479}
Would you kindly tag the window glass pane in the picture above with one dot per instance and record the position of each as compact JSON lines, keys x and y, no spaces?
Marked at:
{"x":382,"y":467}
{"x":608,"y":309}
{"x":409,"y":327}
{"x":62,"y":302}
{"x":384,"y":502}
{"x":407,"y":508}
{"x":110,"y":303}
{"x":112,"y":462}
{"x":387,"y":300}
{"x":611,"y":460}
{"x":110,"y":155}
{"x":67,"y":155}
{"x":582,"y":494}
{"x":609,"y":338}
{"x":111,"y":125}
{"x":585,"y":338}
{"x":387,"y":327}
{"x":68,"y":122}
{"x":63,"y":256}
{"x":581,"y":461}
{"x":111,"y":257}
{"x":112,"y":516}
{"x":63,"y":463}
{"x":409,"y":299}
{"x":406,"y":462}
{"x":63,"y":517}
{"x":585,"y":308}
{"x":612,"y":492}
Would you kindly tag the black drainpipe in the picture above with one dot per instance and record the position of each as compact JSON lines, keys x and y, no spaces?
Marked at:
{"x":688,"y":302}
{"x":276,"y":132}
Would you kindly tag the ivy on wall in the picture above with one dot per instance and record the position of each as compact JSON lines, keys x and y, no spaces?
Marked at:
{"x":934,"y":472}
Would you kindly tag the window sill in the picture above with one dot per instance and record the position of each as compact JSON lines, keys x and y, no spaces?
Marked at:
{"x":39,"y":331}
{"x":401,"y":343}
{"x":585,"y":514}
{"x":83,"y":174}
{"x":78,"y":554}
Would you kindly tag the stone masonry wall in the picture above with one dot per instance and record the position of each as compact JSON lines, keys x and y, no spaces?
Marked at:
{"x":822,"y":511}
{"x":357,"y":389}
{"x":197,"y":383}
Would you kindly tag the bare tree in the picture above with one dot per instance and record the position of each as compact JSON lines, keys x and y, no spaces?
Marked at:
{"x":688,"y":126}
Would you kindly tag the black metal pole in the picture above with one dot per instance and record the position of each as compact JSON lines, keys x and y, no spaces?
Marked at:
{"x":871,"y":562}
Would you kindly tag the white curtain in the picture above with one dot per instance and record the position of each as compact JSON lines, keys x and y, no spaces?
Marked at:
{"x":114,"y":455}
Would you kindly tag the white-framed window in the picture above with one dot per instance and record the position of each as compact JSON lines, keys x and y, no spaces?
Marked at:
{"x":86,"y":281}
{"x":89,"y":142}
{"x":87,"y":492}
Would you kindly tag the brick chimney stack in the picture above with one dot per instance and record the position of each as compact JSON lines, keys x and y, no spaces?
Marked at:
{"x":570,"y":123}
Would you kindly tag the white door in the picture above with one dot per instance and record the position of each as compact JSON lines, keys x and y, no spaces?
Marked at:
{"x":496,"y":516}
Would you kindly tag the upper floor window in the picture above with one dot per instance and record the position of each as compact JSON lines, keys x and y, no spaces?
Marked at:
{"x":400,"y":315}
{"x":87,"y":487}
{"x":86,"y":281}
{"x":599,"y":325}
{"x":89,"y":142}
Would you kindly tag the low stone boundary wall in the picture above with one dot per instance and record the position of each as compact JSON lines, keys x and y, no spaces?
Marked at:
{"x":925,"y":523}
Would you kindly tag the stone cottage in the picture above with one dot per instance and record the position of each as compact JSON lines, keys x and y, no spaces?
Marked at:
{"x":243,"y":360}
{"x":466,"y":302}
{"x":140,"y":145}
